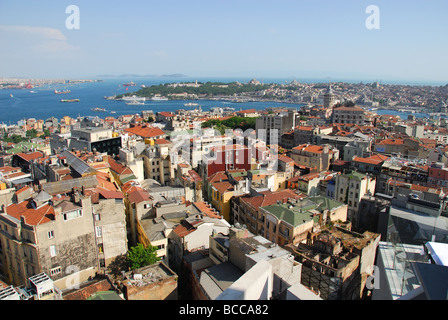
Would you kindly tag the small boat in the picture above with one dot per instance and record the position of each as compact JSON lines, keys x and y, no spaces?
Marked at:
{"x":98,"y":109}
{"x":69,"y":100}
{"x":113,"y":112}
{"x":61,"y":92}
{"x":11,"y":96}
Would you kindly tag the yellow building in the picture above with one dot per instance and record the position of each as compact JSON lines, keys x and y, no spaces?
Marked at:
{"x":222,"y":192}
{"x":67,"y":120}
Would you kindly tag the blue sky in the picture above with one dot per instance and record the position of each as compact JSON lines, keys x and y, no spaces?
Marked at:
{"x":294,"y":38}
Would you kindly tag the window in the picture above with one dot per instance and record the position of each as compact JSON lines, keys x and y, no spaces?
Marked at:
{"x":97,"y":216}
{"x":98,"y":231}
{"x":55,"y":271}
{"x":72,"y":214}
{"x":52,"y":251}
{"x":100,"y":248}
{"x":50,"y":234}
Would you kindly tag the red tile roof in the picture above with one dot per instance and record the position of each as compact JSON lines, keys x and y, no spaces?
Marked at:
{"x":118,"y":167}
{"x":137,"y":195}
{"x":375,"y":159}
{"x":185,"y":228}
{"x":248,"y":111}
{"x":309,"y":148}
{"x":30,"y":156}
{"x":166,"y":114}
{"x":145,"y":131}
{"x":268,"y":198}
{"x":162,"y":141}
{"x":110,"y":194}
{"x":34,"y":217}
{"x":206,"y":209}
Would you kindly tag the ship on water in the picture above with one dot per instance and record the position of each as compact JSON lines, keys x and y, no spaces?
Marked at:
{"x":159,"y":98}
{"x":133,"y":98}
{"x":69,"y":100}
{"x":129,"y":84}
{"x":190,"y":104}
{"x":62,"y":92}
{"x":134,"y":103}
{"x":98,"y":109}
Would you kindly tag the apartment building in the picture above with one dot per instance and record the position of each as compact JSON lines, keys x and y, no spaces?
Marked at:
{"x":350,"y":187}
{"x":348,"y":114}
{"x":157,"y":161}
{"x":57,"y":239}
{"x":275,"y":124}
{"x":315,"y":157}
{"x":290,"y":222}
{"x":245,"y":208}
{"x":88,"y":139}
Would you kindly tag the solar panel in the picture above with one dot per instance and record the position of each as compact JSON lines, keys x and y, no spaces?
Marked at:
{"x":76,"y":163}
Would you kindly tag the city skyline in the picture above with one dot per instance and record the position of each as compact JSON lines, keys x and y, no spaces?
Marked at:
{"x":321,"y":39}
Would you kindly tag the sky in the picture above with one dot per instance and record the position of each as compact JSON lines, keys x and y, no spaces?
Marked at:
{"x":217,"y":38}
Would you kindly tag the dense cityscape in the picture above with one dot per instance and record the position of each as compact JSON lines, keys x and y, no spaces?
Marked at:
{"x":315,"y":202}
{"x":224,"y":158}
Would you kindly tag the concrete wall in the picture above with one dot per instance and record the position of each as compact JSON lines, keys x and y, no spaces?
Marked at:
{"x":75,"y":243}
{"x":113,"y":228}
{"x":255,"y":284}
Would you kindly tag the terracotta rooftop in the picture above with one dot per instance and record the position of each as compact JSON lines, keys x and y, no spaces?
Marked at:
{"x":309,"y":148}
{"x":185,"y":228}
{"x":375,"y":159}
{"x":166,"y":114}
{"x":34,"y":217}
{"x":145,"y":131}
{"x":206,"y":209}
{"x":137,"y":195}
{"x":223,"y":187}
{"x":30,"y":156}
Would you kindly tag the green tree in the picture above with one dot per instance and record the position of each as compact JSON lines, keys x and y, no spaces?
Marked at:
{"x":47,"y":133}
{"x":139,"y":256}
{"x":31,"y":133}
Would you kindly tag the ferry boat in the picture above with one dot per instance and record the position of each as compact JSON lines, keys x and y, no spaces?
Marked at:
{"x":134,"y":103}
{"x":159,"y":98}
{"x":98,"y":109}
{"x":69,"y":100}
{"x":133,"y":98}
{"x":129,"y":84}
{"x":190,"y":104}
{"x":61,"y":92}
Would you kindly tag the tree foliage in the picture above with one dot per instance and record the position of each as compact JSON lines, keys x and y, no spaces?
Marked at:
{"x":208,"y":88}
{"x":139,"y":256}
{"x":231,"y":123}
